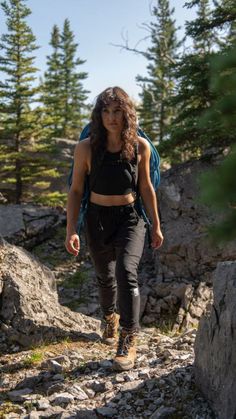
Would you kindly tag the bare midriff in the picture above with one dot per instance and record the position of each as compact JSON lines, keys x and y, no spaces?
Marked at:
{"x":110,"y":200}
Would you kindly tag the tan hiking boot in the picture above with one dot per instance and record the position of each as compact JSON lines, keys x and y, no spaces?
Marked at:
{"x":126,"y":351}
{"x":110,"y":333}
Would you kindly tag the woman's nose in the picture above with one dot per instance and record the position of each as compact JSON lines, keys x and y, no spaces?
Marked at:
{"x":112,"y":116}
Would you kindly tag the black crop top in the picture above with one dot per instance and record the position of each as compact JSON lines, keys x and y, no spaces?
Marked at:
{"x":116,"y":176}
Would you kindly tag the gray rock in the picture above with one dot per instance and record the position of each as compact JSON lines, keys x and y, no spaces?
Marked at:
{"x":107,"y":412}
{"x":43,"y":404}
{"x":61,"y":399}
{"x":186,"y":253}
{"x":28,"y":224}
{"x":132,"y":385}
{"x":78,"y":392}
{"x":215,"y":355}
{"x":163,"y":413}
{"x":30,"y":305}
{"x":19,"y":395}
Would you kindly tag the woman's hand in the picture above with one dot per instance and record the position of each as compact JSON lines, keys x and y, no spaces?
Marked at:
{"x":157,"y":238}
{"x":72,"y":244}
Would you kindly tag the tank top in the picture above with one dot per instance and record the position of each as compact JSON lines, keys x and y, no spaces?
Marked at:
{"x":115,"y":176}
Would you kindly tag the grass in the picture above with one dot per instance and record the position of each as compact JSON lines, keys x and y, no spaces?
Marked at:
{"x":165,"y":327}
{"x":9,"y":407}
{"x":33,"y":359}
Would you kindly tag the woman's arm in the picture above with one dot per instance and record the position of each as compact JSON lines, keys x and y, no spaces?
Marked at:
{"x":81,"y":155}
{"x":147,"y":192}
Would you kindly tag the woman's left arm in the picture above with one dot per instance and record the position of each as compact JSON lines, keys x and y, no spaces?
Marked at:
{"x":147,"y":192}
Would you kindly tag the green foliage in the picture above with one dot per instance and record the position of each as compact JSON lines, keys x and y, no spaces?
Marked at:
{"x":219,"y":186}
{"x":22,"y":152}
{"x":219,"y":192}
{"x":155,"y":112}
{"x":189,"y":137}
{"x":63,"y":95}
{"x":33,"y":359}
{"x":76,"y":280}
{"x":51,"y":198}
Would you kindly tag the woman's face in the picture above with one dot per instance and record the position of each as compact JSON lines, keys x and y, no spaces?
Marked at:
{"x":113,"y":117}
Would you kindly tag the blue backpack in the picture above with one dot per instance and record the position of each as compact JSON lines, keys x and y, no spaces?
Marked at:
{"x":154,"y":175}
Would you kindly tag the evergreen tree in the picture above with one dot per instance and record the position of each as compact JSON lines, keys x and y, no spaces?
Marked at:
{"x":219,"y":186}
{"x":144,"y":112}
{"x":51,"y":86}
{"x":72,"y":94}
{"x":17,"y":93}
{"x":194,"y":95}
{"x":158,"y":86}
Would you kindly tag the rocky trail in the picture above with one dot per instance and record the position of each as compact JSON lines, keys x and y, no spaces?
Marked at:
{"x":75,"y":379}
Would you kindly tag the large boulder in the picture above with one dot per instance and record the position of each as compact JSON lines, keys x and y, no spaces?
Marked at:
{"x":180,"y":286}
{"x":27,"y":224}
{"x":215,"y":354}
{"x":187,"y":252}
{"x":29,"y":310}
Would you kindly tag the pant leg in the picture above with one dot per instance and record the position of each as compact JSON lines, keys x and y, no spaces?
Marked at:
{"x":103,"y":258}
{"x":129,"y":248}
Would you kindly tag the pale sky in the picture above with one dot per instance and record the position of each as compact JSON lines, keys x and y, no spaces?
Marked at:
{"x":97,"y":24}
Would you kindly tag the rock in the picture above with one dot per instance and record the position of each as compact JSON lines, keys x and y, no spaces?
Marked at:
{"x":56,"y":365}
{"x":132,"y":385}
{"x":163,"y":413}
{"x":43,"y":404}
{"x":215,"y":355}
{"x":186,"y":253}
{"x":28,"y":224}
{"x":29,"y":304}
{"x":19,"y":395}
{"x":3,"y":200}
{"x":106,"y":412}
{"x":78,"y":392}
{"x":62,"y":399}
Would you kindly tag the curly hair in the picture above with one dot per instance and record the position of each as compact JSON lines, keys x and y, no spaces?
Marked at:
{"x":129,"y":137}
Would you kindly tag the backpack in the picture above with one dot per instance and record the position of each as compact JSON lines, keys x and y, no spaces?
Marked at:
{"x":154,"y":175}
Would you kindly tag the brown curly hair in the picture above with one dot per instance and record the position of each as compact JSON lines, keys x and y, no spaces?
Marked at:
{"x":129,"y":137}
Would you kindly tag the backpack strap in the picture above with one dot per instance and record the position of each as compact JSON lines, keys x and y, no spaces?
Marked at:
{"x":134,"y":169}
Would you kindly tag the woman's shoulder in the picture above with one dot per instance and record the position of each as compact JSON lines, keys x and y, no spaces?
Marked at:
{"x":83,"y":146}
{"x":83,"y":151}
{"x":143,"y":145}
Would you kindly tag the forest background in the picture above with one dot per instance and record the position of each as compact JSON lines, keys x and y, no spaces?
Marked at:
{"x":187,"y":101}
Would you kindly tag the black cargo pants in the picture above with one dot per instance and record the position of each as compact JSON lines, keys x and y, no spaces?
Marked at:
{"x":115,"y":237}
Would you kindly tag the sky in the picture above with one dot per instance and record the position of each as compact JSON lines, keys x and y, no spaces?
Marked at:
{"x":97,"y":24}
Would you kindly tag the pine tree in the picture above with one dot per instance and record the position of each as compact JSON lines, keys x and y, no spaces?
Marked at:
{"x":51,"y":86}
{"x":144,"y":112}
{"x":194,"y":95}
{"x":158,"y":86}
{"x":225,"y":16}
{"x":72,"y":94}
{"x":17,"y":93}
{"x":218,"y":188}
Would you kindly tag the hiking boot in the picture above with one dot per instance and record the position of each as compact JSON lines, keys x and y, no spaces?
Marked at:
{"x":110,"y":334}
{"x":126,"y":351}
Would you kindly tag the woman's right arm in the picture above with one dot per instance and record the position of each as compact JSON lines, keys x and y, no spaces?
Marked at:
{"x":72,"y":242}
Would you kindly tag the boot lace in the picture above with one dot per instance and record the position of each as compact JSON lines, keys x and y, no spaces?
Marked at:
{"x":124,"y":344}
{"x":110,"y":328}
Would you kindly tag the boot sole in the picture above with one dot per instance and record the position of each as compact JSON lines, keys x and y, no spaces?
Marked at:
{"x":109,"y":343}
{"x":118,"y":367}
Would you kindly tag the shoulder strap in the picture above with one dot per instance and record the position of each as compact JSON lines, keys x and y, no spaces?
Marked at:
{"x":134,"y":169}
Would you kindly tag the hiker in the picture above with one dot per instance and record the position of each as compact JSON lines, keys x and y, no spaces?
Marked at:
{"x":114,"y":228}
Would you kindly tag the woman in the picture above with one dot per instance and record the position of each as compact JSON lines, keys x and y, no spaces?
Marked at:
{"x":114,"y":230}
